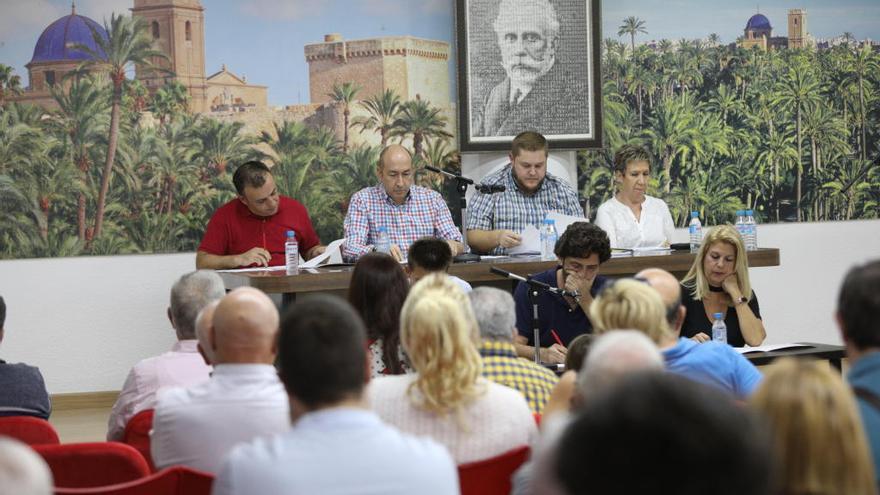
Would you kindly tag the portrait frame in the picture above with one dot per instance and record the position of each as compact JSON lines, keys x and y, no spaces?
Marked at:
{"x":564,"y":103}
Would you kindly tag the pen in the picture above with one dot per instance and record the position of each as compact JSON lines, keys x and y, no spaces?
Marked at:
{"x":556,"y":337}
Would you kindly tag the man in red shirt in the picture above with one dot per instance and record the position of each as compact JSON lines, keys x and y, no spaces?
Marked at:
{"x":251,"y":229}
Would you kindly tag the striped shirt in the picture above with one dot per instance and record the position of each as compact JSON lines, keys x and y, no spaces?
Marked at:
{"x":502,"y":366}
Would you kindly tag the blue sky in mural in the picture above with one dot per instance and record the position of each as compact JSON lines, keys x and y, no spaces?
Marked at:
{"x":264,"y":39}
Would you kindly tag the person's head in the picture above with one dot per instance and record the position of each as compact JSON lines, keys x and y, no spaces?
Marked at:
{"x":858,"y":307}
{"x":377,"y":290}
{"x":22,"y":470}
{"x":428,"y":255}
{"x":630,"y":303}
{"x":817,"y":433}
{"x":189,"y":295}
{"x":632,"y":171}
{"x":495,"y":312}
{"x":395,"y":171}
{"x":244,"y":328}
{"x":439,"y":333}
{"x":322,"y":353}
{"x":670,"y":293}
{"x":204,"y":322}
{"x":613,"y":356}
{"x":528,"y":159}
{"x":661,"y":433}
{"x":721,"y":254}
{"x":256,"y":188}
{"x":528,"y":37}
{"x":577,"y":352}
{"x":582,"y":248}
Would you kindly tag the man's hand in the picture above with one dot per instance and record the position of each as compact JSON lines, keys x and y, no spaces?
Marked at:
{"x":455,"y":246}
{"x":254,"y":256}
{"x":396,"y":253}
{"x":316,"y":251}
{"x":508,"y":239}
{"x":555,"y":354}
{"x":575,"y":282}
{"x":700,"y":338}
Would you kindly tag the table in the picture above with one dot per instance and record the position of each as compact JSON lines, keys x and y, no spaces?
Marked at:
{"x":832,"y":353}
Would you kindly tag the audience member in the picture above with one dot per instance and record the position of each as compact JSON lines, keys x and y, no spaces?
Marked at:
{"x":204,"y":321}
{"x":563,"y":391}
{"x":22,"y":390}
{"x":494,"y":311}
{"x":818,"y":439}
{"x":577,"y":351}
{"x":431,"y":255}
{"x":336,"y":444}
{"x":243,"y":399}
{"x":22,"y":471}
{"x":377,"y":290}
{"x":447,"y":398}
{"x":182,"y":366}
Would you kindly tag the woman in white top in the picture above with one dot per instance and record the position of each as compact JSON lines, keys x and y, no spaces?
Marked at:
{"x":631,"y":218}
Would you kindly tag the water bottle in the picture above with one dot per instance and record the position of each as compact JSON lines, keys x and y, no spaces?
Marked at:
{"x":548,"y":239}
{"x":291,"y":253}
{"x":695,"y":229}
{"x":751,"y":239}
{"x":719,"y":329}
{"x":740,"y":224}
{"x":383,"y":243}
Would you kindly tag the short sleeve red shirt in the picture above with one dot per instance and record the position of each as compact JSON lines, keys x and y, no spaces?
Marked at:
{"x":233,"y":229}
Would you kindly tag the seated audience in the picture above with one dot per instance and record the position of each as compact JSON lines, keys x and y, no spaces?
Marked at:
{"x":336,"y":445}
{"x":204,"y":322}
{"x":377,"y":290}
{"x":182,"y":366}
{"x":494,"y":311}
{"x":858,"y":316}
{"x":447,"y":398}
{"x":243,"y":399}
{"x":22,"y":471}
{"x":563,"y":391}
{"x":818,"y":439}
{"x":431,"y":255}
{"x":22,"y":390}
{"x":718,"y":281}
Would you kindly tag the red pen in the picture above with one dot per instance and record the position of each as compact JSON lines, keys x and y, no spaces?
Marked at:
{"x":556,"y":337}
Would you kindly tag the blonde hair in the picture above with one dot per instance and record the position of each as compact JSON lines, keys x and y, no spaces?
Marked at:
{"x":440,"y":334}
{"x":817,"y":432}
{"x":630,"y":304}
{"x":696,"y":281}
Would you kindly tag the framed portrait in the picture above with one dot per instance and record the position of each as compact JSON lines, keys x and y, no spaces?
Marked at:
{"x":528,"y":65}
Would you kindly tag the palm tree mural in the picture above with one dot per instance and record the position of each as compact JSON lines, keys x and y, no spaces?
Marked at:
{"x":10,"y":84}
{"x":632,"y":25}
{"x":382,"y":111}
{"x":417,"y":118}
{"x":344,"y":94}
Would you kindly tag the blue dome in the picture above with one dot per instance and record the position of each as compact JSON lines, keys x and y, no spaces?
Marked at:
{"x":57,"y":40}
{"x":758,"y":21}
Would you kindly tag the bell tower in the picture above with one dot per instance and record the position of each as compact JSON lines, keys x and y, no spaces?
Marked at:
{"x":797,"y":28}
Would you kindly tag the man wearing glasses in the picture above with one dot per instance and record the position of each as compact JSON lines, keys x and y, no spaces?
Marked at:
{"x":580,"y":251}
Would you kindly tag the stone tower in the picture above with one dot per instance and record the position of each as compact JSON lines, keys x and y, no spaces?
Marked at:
{"x":797,"y":28}
{"x":178,"y":30}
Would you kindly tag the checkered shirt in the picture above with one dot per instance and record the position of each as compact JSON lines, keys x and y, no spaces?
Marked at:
{"x":514,"y":210}
{"x":502,"y":366}
{"x":423,"y":214}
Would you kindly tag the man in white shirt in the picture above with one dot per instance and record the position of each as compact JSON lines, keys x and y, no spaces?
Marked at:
{"x":337,"y":445}
{"x":181,"y":366}
{"x":242,"y":400}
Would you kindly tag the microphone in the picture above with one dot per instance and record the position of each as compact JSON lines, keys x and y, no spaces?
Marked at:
{"x":490,"y":188}
{"x":449,"y":174}
{"x":533,"y":282}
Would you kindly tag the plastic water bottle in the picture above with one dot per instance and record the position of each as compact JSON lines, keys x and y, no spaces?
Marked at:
{"x":383,"y":243}
{"x":751,"y":238}
{"x":695,"y":229}
{"x":291,"y":253}
{"x":740,"y":224}
{"x":549,"y":237}
{"x":719,"y":328}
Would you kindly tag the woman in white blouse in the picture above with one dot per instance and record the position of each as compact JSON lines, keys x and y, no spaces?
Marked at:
{"x":631,"y":218}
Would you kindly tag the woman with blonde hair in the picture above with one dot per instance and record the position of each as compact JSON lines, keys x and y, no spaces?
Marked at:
{"x":818,"y":438}
{"x":717,"y":282}
{"x":630,"y":303}
{"x":447,"y":398}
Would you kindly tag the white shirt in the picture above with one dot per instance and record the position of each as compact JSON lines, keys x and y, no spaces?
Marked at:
{"x":497,"y":421}
{"x":183,"y":366}
{"x":339,"y":451}
{"x":653,"y":228}
{"x":198,"y":426}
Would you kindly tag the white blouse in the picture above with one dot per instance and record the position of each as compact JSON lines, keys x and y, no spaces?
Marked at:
{"x":652,"y":229}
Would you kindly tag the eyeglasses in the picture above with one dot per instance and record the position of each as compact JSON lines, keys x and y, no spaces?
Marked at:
{"x":574,"y":266}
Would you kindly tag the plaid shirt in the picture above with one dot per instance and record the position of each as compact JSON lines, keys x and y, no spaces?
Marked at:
{"x":423,"y":214}
{"x":502,"y":366}
{"x":514,"y":210}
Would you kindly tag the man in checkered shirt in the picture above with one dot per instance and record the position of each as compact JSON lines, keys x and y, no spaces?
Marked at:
{"x":407,"y":212}
{"x":495,"y":221}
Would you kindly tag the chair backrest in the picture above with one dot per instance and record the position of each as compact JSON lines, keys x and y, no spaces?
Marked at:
{"x":28,"y":429}
{"x":137,"y":434}
{"x":491,"y":476}
{"x":83,"y":465}
{"x":175,"y":480}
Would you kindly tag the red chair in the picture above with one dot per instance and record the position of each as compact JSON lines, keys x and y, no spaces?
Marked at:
{"x":175,"y":480}
{"x":491,"y":476}
{"x":137,"y":434}
{"x":28,"y":429}
{"x":83,"y":465}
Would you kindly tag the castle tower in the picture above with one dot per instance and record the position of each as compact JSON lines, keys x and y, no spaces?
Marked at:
{"x":178,"y":30}
{"x":797,"y":28}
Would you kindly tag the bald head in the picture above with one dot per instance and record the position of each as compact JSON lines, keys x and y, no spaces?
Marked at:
{"x":22,"y":471}
{"x":244,"y":328}
{"x":670,"y":292}
{"x":395,"y":171}
{"x":204,"y":322}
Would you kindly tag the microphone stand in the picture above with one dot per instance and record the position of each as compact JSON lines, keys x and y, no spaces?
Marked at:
{"x":461,"y":185}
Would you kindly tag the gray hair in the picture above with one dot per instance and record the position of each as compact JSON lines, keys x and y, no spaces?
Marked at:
{"x":189,"y":295}
{"x":545,"y":6}
{"x":614,"y":355}
{"x":495,"y":312}
{"x":22,"y":471}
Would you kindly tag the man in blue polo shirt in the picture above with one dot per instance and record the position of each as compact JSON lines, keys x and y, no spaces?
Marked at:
{"x":580,"y":250}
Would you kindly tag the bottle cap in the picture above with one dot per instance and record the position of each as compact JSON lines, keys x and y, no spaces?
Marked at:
{"x":740,"y":213}
{"x":549,"y":220}
{"x":383,"y":229}
{"x":695,"y":214}
{"x":291,"y":233}
{"x":718,"y":316}
{"x":750,"y":212}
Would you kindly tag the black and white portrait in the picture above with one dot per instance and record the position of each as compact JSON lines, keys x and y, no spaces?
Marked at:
{"x":527,"y":65}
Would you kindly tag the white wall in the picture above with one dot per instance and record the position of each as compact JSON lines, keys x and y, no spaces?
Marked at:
{"x":85,"y":321}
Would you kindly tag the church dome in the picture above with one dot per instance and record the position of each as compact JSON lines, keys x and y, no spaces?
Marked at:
{"x":57,"y":41}
{"x":758,"y":21}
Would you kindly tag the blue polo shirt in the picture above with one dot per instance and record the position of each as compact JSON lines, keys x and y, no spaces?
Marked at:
{"x":865,"y":373}
{"x":713,"y":363}
{"x":554,"y":313}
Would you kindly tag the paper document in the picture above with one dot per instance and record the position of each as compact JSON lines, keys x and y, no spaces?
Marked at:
{"x":531,"y":242}
{"x":650,"y":251}
{"x":563,"y":221}
{"x":333,"y":253}
{"x":254,"y":269}
{"x":768,"y":348}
